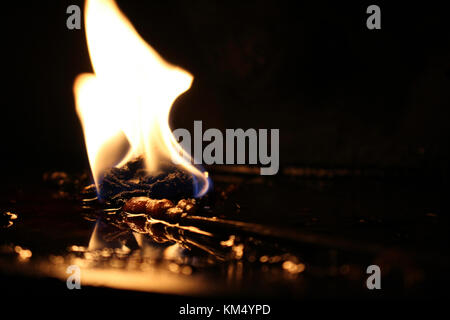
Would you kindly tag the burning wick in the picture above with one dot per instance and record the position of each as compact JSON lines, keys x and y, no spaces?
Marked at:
{"x":124,"y":105}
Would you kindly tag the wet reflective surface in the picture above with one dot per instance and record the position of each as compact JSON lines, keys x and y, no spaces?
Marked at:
{"x":290,"y":237}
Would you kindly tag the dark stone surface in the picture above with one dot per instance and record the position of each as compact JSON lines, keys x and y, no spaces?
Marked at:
{"x":401,"y":226}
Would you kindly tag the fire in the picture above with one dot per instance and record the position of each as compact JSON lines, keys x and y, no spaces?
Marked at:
{"x":124,"y":105}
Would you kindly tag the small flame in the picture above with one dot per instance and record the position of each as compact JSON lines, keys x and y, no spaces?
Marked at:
{"x":124,"y":105}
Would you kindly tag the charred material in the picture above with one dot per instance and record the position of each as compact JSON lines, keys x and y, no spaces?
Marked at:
{"x":133,"y":180}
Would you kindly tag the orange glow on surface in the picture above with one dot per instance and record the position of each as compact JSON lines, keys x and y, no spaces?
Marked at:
{"x":124,"y":105}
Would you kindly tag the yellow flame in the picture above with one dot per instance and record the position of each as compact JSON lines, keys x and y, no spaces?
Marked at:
{"x":124,"y":106}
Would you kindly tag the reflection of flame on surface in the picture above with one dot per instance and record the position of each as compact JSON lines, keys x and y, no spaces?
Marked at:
{"x":97,"y":242}
{"x":23,"y":254}
{"x":124,"y":106}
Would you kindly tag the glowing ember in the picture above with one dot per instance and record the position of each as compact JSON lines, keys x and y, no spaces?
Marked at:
{"x":124,"y":105}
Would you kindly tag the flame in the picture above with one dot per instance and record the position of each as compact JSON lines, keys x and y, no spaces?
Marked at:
{"x":124,"y":105}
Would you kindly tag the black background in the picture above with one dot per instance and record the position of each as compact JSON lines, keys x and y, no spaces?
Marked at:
{"x":341,"y":95}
